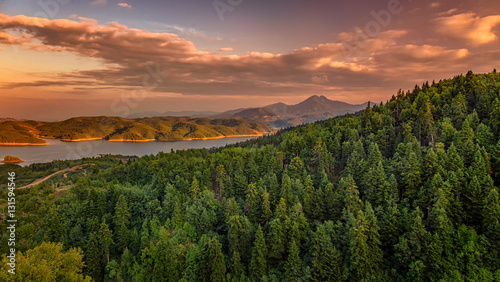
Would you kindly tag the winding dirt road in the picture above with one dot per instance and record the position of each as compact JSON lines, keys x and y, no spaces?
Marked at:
{"x":41,"y":180}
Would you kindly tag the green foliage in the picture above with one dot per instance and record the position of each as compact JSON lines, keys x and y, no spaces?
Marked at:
{"x":404,"y":191}
{"x":293,"y":264}
{"x":47,"y":262}
{"x":258,"y":264}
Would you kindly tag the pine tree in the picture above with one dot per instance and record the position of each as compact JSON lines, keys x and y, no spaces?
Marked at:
{"x":298,"y":222}
{"x":253,"y":203}
{"x":296,"y":168}
{"x":122,"y":220}
{"x":390,"y":227}
{"x":194,"y":189}
{"x":273,"y":189}
{"x":55,"y":227}
{"x":495,"y":162}
{"x":464,"y":142}
{"x":237,"y":269}
{"x":491,"y":225}
{"x":161,"y":262}
{"x":495,"y":116}
{"x":322,"y":161}
{"x":374,"y":155}
{"x":412,"y":176}
{"x":215,"y":261}
{"x":428,"y":121}
{"x":309,"y":201}
{"x":430,"y":164}
{"x":294,"y":263}
{"x":325,"y":259}
{"x":319,"y":207}
{"x":286,"y":190}
{"x":105,"y":240}
{"x":454,"y":162}
{"x":333,"y":203}
{"x":277,"y":241}
{"x":428,"y":194}
{"x":258,"y":264}
{"x":441,"y":245}
{"x":94,"y":258}
{"x":220,"y":180}
{"x":374,"y":180}
{"x":373,"y":240}
{"x":281,"y":210}
{"x":351,"y":194}
{"x":361,"y":266}
{"x":356,"y":164}
{"x":240,"y":236}
{"x":411,"y":249}
{"x":474,"y":197}
{"x":479,"y":166}
{"x":266,"y":213}
{"x":252,"y":171}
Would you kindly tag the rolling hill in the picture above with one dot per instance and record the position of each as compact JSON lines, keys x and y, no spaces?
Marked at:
{"x":122,"y":129}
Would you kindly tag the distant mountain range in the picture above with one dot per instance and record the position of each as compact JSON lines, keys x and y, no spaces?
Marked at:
{"x":175,"y":125}
{"x":281,"y":115}
{"x":277,"y":115}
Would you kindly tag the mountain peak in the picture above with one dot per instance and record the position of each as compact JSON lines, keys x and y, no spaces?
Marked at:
{"x":316,"y":98}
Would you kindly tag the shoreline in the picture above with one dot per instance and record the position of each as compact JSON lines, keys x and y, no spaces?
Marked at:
{"x":188,"y":139}
{"x":73,"y":140}
{"x":24,"y":144}
{"x":211,"y":138}
{"x":12,"y":162}
{"x":133,"y":141}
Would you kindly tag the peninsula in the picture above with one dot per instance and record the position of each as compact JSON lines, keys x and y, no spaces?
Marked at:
{"x":118,"y":129}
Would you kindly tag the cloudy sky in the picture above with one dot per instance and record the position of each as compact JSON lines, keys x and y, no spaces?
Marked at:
{"x":63,"y":58}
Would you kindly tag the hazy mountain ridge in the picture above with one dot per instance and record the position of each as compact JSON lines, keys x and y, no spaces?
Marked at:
{"x":281,"y":115}
{"x":193,"y":114}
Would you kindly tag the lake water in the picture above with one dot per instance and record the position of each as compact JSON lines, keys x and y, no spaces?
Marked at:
{"x":59,"y":150}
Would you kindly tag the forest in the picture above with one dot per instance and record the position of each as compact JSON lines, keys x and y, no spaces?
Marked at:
{"x":402,"y":191}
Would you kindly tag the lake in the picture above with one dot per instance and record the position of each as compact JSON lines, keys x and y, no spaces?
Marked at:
{"x":59,"y":150}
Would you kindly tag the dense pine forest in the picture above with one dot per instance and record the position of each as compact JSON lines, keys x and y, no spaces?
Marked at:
{"x":402,"y":191}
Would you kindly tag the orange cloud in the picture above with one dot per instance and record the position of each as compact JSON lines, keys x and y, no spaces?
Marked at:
{"x":124,"y":5}
{"x":469,"y":27}
{"x":432,"y":52}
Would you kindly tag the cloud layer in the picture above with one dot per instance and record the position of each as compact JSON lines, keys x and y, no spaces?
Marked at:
{"x":176,"y":65}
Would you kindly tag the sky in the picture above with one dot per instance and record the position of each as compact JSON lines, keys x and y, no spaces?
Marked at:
{"x":66,"y":58}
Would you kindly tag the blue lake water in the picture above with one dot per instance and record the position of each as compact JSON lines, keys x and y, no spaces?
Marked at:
{"x":59,"y":150}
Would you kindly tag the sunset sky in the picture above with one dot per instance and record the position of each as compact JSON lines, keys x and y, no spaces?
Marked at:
{"x":64,"y":58}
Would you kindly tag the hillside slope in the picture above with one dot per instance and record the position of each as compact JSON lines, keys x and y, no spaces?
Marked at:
{"x":122,"y":129}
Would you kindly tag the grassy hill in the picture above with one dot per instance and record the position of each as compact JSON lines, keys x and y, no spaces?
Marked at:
{"x":120,"y":129}
{"x":18,"y":132}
